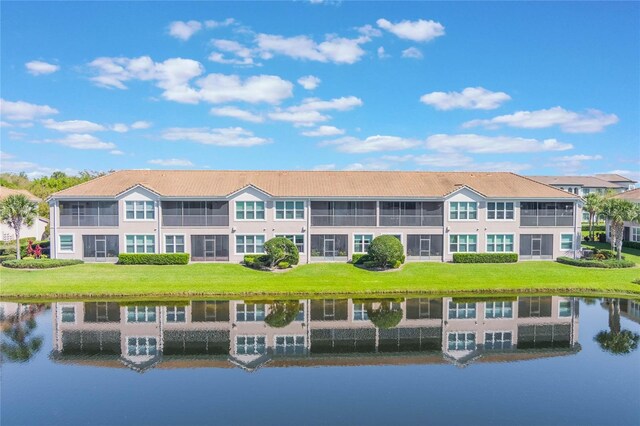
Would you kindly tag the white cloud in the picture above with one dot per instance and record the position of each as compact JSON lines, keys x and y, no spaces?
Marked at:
{"x":298,"y":117}
{"x":479,"y":144}
{"x":73,"y":126}
{"x":382,"y":54}
{"x":244,"y":55}
{"x":412,"y":53}
{"x":171,"y":162}
{"x":23,"y":111}
{"x":324,"y":131}
{"x":221,"y":88}
{"x":569,"y":164}
{"x":16,"y":135}
{"x":369,"y":31}
{"x":343,"y":103}
{"x":184,"y":30}
{"x":5,"y":124}
{"x":324,"y":167}
{"x":334,"y":49}
{"x":40,"y":67}
{"x":420,"y":30}
{"x":631,"y":174}
{"x":231,"y":136}
{"x":456,"y":161}
{"x":82,"y":141}
{"x":120,"y":128}
{"x":469,"y":98}
{"x":370,"y":165}
{"x":217,"y":24}
{"x":32,"y":170}
{"x":238,"y":113}
{"x":377,"y":143}
{"x":6,"y":156}
{"x":591,"y":121}
{"x":309,"y":82}
{"x":138,"y":125}
{"x":116,"y":152}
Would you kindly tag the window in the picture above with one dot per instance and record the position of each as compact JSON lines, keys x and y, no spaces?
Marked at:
{"x":360,"y":312}
{"x":142,"y":345}
{"x":500,"y":211}
{"x":68,"y":314}
{"x":635,"y":235}
{"x":289,"y":210}
{"x":461,"y":341}
{"x":141,"y":243}
{"x":462,"y":310}
{"x":564,"y":308}
{"x":566,"y":242}
{"x":175,"y":314}
{"x":494,"y":310}
{"x":463,"y":243}
{"x":297,"y":239}
{"x":249,"y":210}
{"x":66,"y":243}
{"x":249,"y":244}
{"x":250,"y":345}
{"x":499,"y":243}
{"x":174,"y":243}
{"x":289,"y":345}
{"x":361,"y":242}
{"x":141,"y":314}
{"x":247,"y":312}
{"x":497,"y":340}
{"x":139,"y":210}
{"x":463,"y":210}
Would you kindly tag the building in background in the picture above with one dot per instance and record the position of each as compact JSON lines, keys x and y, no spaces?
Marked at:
{"x":631,"y":229}
{"x":35,"y":231}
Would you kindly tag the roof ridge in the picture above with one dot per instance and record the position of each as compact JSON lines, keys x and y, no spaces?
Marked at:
{"x":540,"y":183}
{"x":87,"y":182}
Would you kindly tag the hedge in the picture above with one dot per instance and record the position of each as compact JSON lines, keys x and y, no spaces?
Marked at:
{"x":44,"y":245}
{"x":606,"y":264}
{"x":485,"y":257}
{"x":153,"y":259}
{"x":360,"y":258}
{"x":631,"y":244}
{"x":40,"y":263}
{"x":257,"y":261}
{"x":7,"y":257}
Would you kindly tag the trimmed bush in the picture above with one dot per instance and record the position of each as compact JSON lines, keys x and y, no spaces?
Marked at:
{"x":153,"y":259}
{"x":280,"y":249}
{"x":370,"y":264}
{"x":485,"y":257}
{"x":257,"y":261}
{"x":360,"y":258}
{"x":40,"y":263}
{"x":385,"y":251}
{"x":397,"y":264}
{"x":605,"y":264}
{"x":283,"y":265}
{"x":282,"y":313}
{"x":7,"y":257}
{"x":385,"y":316}
{"x":631,"y":244}
{"x":44,"y":247}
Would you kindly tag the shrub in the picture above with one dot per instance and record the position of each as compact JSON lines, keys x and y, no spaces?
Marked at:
{"x":360,"y":258}
{"x":153,"y":259}
{"x":485,"y":257}
{"x":397,"y":264}
{"x":40,"y":263}
{"x":31,"y":246}
{"x":631,"y":244}
{"x":7,"y":257}
{"x":280,"y":249}
{"x":282,"y":314}
{"x":283,"y":265}
{"x":249,"y":259}
{"x":386,"y":250}
{"x":257,"y":261}
{"x":606,"y":264}
{"x":370,"y":264}
{"x":385,"y":316}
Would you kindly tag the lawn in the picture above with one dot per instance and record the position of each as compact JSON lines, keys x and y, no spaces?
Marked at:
{"x":206,"y":279}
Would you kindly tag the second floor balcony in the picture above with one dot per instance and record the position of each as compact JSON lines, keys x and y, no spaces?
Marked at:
{"x":195,"y":213}
{"x":88,"y":213}
{"x":343,"y":213}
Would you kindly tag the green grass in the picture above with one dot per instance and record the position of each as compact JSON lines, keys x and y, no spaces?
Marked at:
{"x":200,"y":279}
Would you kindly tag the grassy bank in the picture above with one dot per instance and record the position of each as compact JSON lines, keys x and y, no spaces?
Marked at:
{"x":108,"y":280}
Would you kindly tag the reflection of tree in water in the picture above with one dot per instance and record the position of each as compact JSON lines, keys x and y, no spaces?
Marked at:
{"x":18,"y":344}
{"x":386,"y":315}
{"x":282,"y":313}
{"x":616,"y":341}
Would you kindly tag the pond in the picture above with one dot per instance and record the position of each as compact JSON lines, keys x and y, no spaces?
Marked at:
{"x":551,"y":360}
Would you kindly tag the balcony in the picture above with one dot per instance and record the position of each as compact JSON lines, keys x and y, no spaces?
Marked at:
{"x":405,"y":220}
{"x":195,"y":220}
{"x":89,"y":220}
{"x":347,"y":220}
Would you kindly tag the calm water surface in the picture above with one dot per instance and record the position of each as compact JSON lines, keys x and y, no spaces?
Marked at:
{"x":518,"y":360}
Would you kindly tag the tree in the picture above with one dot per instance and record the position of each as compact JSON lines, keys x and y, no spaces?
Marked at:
{"x":617,"y":211}
{"x":593,"y":205}
{"x":280,"y":249}
{"x":386,"y":315}
{"x":19,"y":345}
{"x":386,"y":251}
{"x":17,"y":211}
{"x":282,"y":313}
{"x":616,"y":341}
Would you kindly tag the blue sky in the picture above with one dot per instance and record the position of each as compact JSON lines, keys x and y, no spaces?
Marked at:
{"x":535,"y":88}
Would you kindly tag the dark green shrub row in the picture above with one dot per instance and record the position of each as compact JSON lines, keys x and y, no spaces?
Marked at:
{"x":631,"y":244}
{"x":153,"y":259}
{"x":485,"y":257}
{"x":606,"y":264}
{"x":40,"y":263}
{"x":260,"y":261}
{"x":360,"y":258}
{"x":7,"y":257}
{"x":596,"y":228}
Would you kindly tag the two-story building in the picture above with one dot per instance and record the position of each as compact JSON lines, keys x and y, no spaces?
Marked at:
{"x":329,"y":215}
{"x":631,"y":229}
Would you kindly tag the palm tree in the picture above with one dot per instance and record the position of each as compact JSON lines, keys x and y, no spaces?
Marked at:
{"x":617,"y":212}
{"x":19,"y":345}
{"x":17,"y":211}
{"x":593,"y":205}
{"x":616,"y":341}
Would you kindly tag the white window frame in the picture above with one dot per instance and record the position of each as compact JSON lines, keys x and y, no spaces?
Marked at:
{"x":73,"y":243}
{"x":513,"y":243}
{"x":285,"y":210}
{"x":75,"y":316}
{"x":135,"y":245}
{"x":573,"y":243}
{"x":464,"y":309}
{"x":458,"y":244}
{"x":503,"y":210}
{"x":174,"y":242}
{"x":255,"y":312}
{"x":501,"y":317}
{"x":144,"y":210}
{"x":147,"y":310}
{"x":353,"y":236}
{"x":467,"y":210}
{"x":244,"y":244}
{"x":493,"y":335}
{"x":174,"y":311}
{"x":465,"y":333}
{"x":244,"y":211}
{"x":255,"y":344}
{"x":360,"y":309}
{"x":570,"y":308}
{"x":293,"y":240}
{"x":293,"y":345}
{"x":147,"y":339}
{"x":634,"y":234}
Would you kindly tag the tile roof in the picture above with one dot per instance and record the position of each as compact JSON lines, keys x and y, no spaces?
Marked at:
{"x":5,"y":192}
{"x":209,"y":183}
{"x":586,"y":181}
{"x":614,"y":177}
{"x":633,"y":195}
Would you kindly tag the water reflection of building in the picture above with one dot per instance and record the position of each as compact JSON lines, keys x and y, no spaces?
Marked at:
{"x":315,"y":332}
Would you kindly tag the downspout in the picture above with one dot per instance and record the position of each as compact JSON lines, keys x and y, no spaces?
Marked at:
{"x":308,"y":235}
{"x":575,"y":230}
{"x":159,"y":213}
{"x":52,"y":230}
